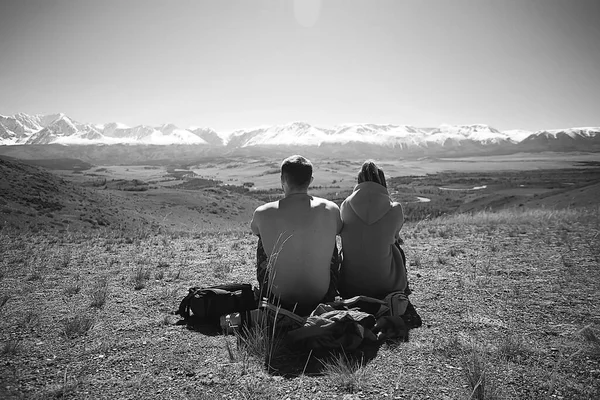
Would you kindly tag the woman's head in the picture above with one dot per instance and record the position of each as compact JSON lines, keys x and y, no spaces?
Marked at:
{"x":369,"y":172}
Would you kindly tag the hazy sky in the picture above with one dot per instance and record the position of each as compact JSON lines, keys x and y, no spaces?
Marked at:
{"x":529,"y":64}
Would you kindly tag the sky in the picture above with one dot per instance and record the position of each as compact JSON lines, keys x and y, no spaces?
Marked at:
{"x":511,"y":64}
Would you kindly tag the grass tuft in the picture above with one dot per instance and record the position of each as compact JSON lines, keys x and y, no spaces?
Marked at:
{"x":259,"y":342}
{"x":72,"y":289}
{"x":31,"y":320}
{"x":477,"y":375}
{"x":512,"y":348}
{"x":77,"y":326}
{"x":140,"y":277}
{"x":11,"y":347}
{"x":349,"y":376}
{"x":222,"y":268}
{"x":590,"y":336}
{"x":3,"y":299}
{"x":99,"y":293}
{"x":65,"y":389}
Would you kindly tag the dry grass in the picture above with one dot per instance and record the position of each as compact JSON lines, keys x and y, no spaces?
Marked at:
{"x":140,"y":277}
{"x":477,"y":373}
{"x":77,"y":325}
{"x":99,"y":293}
{"x":347,"y":375}
{"x":504,"y":317}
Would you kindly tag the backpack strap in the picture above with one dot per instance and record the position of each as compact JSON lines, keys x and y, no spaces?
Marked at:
{"x":184,"y":306}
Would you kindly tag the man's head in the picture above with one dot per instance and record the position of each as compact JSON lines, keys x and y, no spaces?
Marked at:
{"x":371,"y":173}
{"x":296,"y":172}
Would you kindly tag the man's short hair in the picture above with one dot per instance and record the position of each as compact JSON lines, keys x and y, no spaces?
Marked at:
{"x":297,"y":171}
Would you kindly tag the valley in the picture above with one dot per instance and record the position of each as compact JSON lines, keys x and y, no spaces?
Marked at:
{"x":212,"y":192}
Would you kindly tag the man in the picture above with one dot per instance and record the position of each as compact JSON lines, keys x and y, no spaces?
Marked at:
{"x":297,"y":236}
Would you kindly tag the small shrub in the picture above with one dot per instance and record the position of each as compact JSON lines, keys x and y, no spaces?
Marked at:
{"x":3,"y":299}
{"x":567,"y":263}
{"x":35,"y":276}
{"x":259,"y":341}
{"x":72,"y":289}
{"x":445,"y":233}
{"x":140,"y":277}
{"x":448,"y":347}
{"x":222,"y":268}
{"x":11,"y":347}
{"x":455,"y":251}
{"x":479,"y":383}
{"x":259,"y":391}
{"x":349,"y":376}
{"x":415,"y":261}
{"x":31,"y":320}
{"x":511,"y":348}
{"x":64,"y":261}
{"x":76,"y":326}
{"x":64,"y":389}
{"x":169,"y":293}
{"x":590,"y":337}
{"x":99,"y":293}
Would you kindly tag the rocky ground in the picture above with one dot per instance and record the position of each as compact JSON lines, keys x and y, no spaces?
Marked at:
{"x":509,"y":300}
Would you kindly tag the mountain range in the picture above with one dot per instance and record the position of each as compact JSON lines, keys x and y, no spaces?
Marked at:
{"x":24,"y":129}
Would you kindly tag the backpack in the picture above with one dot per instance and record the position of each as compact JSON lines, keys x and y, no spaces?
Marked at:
{"x":208,"y":304}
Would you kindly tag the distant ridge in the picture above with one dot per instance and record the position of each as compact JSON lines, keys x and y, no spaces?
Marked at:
{"x":24,"y":129}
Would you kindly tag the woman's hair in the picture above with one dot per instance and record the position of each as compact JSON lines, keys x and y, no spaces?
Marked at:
{"x":369,"y":172}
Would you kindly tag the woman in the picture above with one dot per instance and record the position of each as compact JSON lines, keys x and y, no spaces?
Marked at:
{"x":373,"y":263}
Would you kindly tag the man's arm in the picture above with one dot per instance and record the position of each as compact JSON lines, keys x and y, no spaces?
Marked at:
{"x":339,"y":222}
{"x":254,"y":223}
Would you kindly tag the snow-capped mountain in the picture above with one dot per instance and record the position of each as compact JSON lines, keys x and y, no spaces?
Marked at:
{"x":60,"y":129}
{"x":394,"y":136}
{"x":209,"y":135}
{"x":353,"y":138}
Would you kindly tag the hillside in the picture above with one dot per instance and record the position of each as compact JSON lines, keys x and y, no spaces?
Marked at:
{"x":34,"y":199}
{"x":31,"y":198}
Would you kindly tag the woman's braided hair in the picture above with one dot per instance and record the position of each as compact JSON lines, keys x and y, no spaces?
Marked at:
{"x":369,"y":172}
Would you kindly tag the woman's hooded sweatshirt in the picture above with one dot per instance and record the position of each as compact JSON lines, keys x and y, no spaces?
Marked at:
{"x":372,"y":264}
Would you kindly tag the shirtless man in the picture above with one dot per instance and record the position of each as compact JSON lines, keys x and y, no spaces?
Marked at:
{"x":298,"y":235}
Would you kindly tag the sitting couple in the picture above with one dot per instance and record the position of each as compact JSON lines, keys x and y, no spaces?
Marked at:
{"x":297,"y":258}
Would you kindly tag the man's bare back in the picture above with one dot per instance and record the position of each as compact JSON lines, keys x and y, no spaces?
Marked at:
{"x":298,"y":236}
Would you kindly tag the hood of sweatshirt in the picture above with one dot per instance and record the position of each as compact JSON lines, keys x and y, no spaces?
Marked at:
{"x":370,"y":201}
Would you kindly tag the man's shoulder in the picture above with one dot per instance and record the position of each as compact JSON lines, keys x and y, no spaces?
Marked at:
{"x":327,"y":203}
{"x":273,"y":205}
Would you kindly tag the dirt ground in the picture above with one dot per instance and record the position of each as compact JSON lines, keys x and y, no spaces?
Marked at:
{"x":90,"y":277}
{"x":511,"y":297}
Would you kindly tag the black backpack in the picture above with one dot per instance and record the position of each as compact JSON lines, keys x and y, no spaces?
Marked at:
{"x":208,"y":304}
